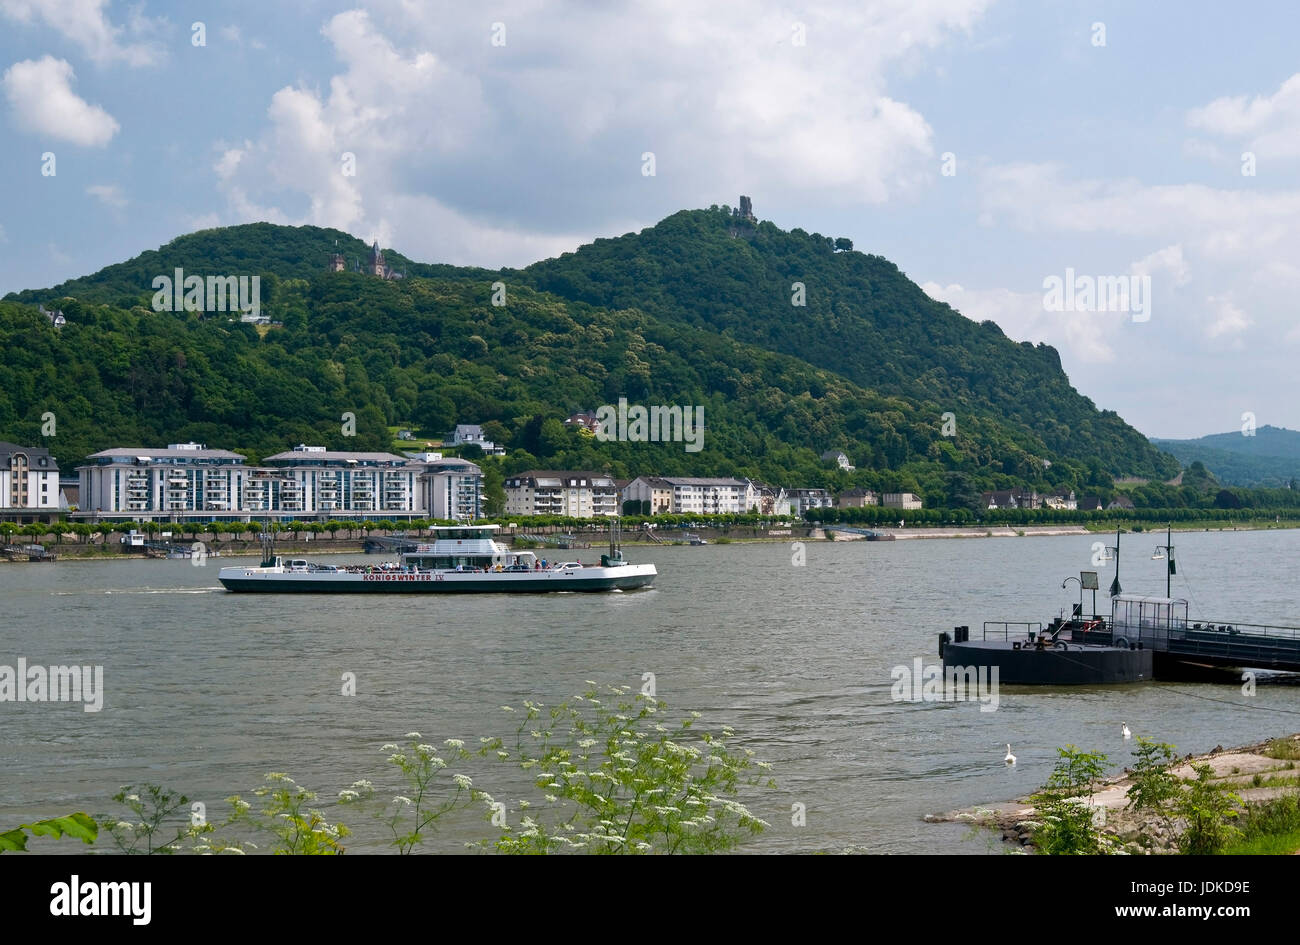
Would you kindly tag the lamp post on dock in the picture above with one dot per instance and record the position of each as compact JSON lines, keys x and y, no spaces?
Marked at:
{"x":1167,"y":550}
{"x":1087,"y":581}
{"x":1115,"y":589}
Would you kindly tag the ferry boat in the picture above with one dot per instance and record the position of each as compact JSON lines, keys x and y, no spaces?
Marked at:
{"x":461,"y":559}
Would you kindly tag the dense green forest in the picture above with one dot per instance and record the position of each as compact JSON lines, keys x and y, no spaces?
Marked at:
{"x":682,"y":313}
{"x":1268,"y":456}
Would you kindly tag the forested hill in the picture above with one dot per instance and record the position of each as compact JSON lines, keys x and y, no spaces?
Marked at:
{"x":868,"y":366}
{"x":1267,"y":456}
{"x":863,"y":319}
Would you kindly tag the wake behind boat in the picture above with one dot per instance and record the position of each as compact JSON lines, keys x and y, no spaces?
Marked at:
{"x":462,"y":559}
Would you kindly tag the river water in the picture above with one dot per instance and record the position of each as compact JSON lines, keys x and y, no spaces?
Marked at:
{"x":206,"y":691}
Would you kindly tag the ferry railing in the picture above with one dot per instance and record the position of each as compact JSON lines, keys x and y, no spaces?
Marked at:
{"x":1254,"y":643}
{"x":991,"y":628}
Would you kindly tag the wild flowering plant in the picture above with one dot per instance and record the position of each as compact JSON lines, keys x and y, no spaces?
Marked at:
{"x":282,"y":811}
{"x":160,"y":821}
{"x":410,"y":814}
{"x":615,"y":775}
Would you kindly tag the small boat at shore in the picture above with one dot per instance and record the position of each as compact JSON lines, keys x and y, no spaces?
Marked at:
{"x":461,"y":559}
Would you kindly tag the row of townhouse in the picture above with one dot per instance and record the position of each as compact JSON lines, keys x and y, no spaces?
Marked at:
{"x":588,"y":494}
{"x":189,"y":482}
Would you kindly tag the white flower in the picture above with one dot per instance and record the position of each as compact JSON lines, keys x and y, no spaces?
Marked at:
{"x":462,"y":781}
{"x":399,"y":799}
{"x":411,"y":735}
{"x":389,"y":747}
{"x":454,"y":743}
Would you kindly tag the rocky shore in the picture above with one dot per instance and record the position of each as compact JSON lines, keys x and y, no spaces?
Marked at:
{"x":1253,"y":773}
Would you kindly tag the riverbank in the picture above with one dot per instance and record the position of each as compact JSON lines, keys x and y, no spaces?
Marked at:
{"x":97,"y":548}
{"x":1257,"y":774}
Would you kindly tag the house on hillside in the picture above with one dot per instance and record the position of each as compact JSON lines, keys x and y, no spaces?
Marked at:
{"x":583,"y":420}
{"x":839,"y":459}
{"x":56,"y":317}
{"x":1090,"y":503}
{"x":901,"y":500}
{"x":467,"y":434}
{"x":1120,"y":502}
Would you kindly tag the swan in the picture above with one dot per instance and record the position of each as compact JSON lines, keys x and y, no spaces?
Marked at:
{"x":1010,"y":758}
{"x":1127,"y":733}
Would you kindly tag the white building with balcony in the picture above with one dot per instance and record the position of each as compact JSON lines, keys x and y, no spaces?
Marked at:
{"x":189,"y":482}
{"x":576,"y":494}
{"x":690,"y":495}
{"x":185,"y":481}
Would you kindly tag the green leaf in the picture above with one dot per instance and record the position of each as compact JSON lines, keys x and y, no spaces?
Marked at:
{"x":79,"y":825}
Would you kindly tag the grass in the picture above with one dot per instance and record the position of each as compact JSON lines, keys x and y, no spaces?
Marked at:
{"x":1270,"y":828}
{"x":1274,"y":844}
{"x":1283,"y":749}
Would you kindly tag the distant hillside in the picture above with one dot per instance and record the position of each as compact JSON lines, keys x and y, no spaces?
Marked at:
{"x":682,"y":313}
{"x":1269,"y":458}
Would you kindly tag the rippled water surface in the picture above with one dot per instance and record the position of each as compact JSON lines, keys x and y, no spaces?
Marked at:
{"x":207,"y":691}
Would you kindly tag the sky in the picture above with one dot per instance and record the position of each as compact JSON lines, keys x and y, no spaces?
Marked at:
{"x":993,"y":150}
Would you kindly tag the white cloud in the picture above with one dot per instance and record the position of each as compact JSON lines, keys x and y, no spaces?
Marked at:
{"x":552,"y":125}
{"x":1168,"y":260}
{"x":235,"y":36}
{"x":1242,"y":225}
{"x":41,"y":97}
{"x":108,"y":194}
{"x":1270,"y":124}
{"x":1227,"y":318}
{"x":86,"y":23}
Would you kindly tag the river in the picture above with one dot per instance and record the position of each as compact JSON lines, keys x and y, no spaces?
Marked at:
{"x":206,"y":691}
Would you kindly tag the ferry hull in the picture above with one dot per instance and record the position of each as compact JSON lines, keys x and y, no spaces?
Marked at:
{"x":264,"y":581}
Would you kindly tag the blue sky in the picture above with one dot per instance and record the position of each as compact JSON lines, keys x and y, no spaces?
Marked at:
{"x":1107,"y":160}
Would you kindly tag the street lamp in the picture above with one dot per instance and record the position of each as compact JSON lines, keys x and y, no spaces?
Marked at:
{"x":1167,"y":549}
{"x":1115,"y":589}
{"x":1087,"y":581}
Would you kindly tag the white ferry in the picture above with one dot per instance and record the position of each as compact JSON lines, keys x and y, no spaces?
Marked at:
{"x":461,"y":559}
